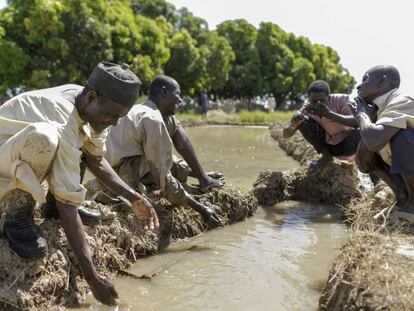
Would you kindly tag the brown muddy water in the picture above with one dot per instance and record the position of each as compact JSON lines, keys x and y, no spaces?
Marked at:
{"x":276,"y":260}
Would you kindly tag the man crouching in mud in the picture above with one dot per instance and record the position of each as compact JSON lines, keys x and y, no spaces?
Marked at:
{"x":140,"y":149}
{"x":327,"y":123}
{"x":43,"y":135}
{"x":387,"y":140}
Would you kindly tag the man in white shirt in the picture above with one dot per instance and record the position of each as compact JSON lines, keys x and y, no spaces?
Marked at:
{"x":139,"y":148}
{"x":43,"y":135}
{"x":387,"y":139}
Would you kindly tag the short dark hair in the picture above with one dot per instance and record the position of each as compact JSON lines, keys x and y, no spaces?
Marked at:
{"x":158,"y":83}
{"x":319,"y":86}
{"x":390,"y":72}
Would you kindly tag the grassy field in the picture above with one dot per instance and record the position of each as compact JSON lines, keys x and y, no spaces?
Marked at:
{"x":251,"y":117}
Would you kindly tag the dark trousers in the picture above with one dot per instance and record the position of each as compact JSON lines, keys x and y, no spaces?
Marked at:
{"x":402,"y":150}
{"x":316,"y":136}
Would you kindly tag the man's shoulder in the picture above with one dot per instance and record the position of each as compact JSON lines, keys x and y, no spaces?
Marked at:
{"x":52,"y":94}
{"x":146,"y":113}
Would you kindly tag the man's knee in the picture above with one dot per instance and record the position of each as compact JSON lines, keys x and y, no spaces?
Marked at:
{"x":365,"y":159}
{"x":39,"y":147}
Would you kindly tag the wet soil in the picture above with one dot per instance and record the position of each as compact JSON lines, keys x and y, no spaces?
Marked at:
{"x":336,"y":183}
{"x":116,"y":243}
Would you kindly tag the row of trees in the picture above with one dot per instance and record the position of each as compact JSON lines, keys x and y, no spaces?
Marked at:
{"x":51,"y":42}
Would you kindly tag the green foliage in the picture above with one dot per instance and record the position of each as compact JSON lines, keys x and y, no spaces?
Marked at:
{"x":50,"y":42}
{"x":245,"y":76}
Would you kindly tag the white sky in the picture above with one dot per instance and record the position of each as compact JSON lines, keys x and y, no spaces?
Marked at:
{"x":365,"y":33}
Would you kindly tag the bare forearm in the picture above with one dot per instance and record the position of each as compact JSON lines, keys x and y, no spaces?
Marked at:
{"x":105,"y":173}
{"x":72,"y":225}
{"x":185,"y":148}
{"x":347,"y":120}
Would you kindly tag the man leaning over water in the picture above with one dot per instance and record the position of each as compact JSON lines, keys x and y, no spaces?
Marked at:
{"x":327,"y":123}
{"x":43,"y":135}
{"x":387,"y":134}
{"x":140,"y":149}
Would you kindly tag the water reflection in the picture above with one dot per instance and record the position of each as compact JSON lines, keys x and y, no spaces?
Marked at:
{"x":272,"y":261}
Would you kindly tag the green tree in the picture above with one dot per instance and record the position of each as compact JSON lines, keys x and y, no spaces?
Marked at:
{"x":218,"y":56}
{"x":65,"y":39}
{"x":185,"y":62}
{"x":13,"y":62}
{"x":327,"y":67}
{"x":245,"y":78}
{"x":155,"y":8}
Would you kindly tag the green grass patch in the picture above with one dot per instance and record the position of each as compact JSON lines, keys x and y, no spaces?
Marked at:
{"x":251,"y":117}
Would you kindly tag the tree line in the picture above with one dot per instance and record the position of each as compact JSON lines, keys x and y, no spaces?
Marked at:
{"x":47,"y":43}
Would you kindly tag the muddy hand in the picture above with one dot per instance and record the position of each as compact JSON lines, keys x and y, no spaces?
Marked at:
{"x":209,"y":182}
{"x":103,"y":290}
{"x":209,"y":216}
{"x":145,"y":214}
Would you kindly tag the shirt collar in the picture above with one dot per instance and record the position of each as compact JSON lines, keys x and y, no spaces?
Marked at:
{"x":151,"y":104}
{"x":384,"y":99}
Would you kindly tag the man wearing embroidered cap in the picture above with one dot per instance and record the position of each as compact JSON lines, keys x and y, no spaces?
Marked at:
{"x":44,"y":134}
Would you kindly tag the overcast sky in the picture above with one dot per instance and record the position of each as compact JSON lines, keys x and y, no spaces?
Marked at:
{"x":364,"y":32}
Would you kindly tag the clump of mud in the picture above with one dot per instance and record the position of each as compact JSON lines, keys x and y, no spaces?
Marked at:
{"x":116,"y":243}
{"x":296,"y":146}
{"x":336,"y":183}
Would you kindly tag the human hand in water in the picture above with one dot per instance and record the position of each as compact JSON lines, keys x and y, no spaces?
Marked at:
{"x":208,"y":214}
{"x":103,"y":290}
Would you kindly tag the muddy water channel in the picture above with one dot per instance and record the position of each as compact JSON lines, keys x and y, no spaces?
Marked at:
{"x":275,"y":260}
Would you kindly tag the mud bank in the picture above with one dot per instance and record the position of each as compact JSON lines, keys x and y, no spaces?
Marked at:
{"x":375,"y":268}
{"x":116,"y":243}
{"x":336,"y":183}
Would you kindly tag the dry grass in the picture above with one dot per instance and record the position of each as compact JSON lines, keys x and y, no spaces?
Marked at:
{"x":375,"y":268}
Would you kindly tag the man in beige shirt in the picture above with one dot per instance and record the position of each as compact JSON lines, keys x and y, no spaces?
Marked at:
{"x":387,"y":136}
{"x":140,"y":148}
{"x":43,"y":135}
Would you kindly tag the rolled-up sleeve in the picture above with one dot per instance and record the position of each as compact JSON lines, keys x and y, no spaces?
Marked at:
{"x":95,"y":146}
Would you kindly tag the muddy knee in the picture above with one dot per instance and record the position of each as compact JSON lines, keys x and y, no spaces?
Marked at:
{"x":39,"y":147}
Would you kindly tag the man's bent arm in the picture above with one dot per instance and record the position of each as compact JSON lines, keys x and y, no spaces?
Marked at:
{"x":184,"y":147}
{"x":106,"y":174}
{"x":374,"y":136}
{"x":347,"y":120}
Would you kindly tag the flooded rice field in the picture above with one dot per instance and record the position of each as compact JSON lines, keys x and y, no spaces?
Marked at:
{"x":276,"y":260}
